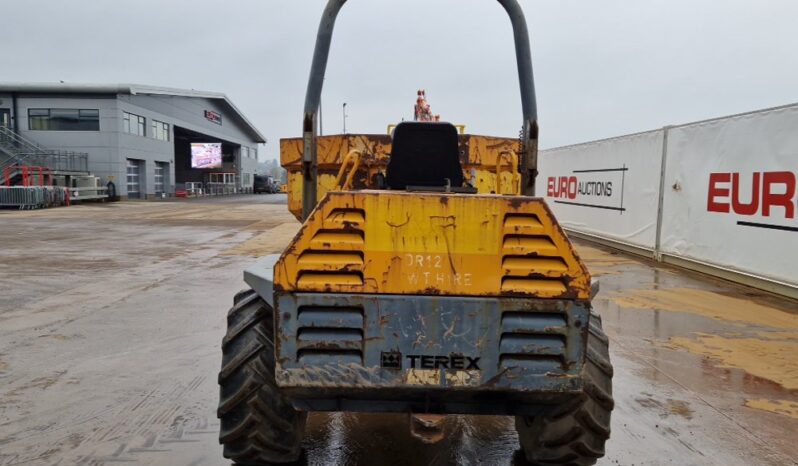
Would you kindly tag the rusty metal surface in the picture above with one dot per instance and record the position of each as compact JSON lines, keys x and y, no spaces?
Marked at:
{"x":524,"y":350}
{"x":479,"y":156}
{"x":109,"y":350}
{"x":331,"y":152}
{"x":432,"y":244}
{"x":527,"y":150}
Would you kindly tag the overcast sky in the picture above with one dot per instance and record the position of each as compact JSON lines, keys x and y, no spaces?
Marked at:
{"x":602,"y":68}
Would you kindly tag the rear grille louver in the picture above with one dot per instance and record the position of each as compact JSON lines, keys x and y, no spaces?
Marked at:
{"x":335,"y":256}
{"x":530,"y":259}
{"x":533,"y":341}
{"x":427,"y":243}
{"x":330,"y":335}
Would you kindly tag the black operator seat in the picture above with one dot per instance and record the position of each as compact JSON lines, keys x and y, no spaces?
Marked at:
{"x":424,"y":154}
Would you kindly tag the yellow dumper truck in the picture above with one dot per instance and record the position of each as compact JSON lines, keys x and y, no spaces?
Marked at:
{"x":426,"y":279}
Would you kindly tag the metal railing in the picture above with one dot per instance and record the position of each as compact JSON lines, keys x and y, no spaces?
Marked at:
{"x":18,"y":150}
{"x":33,"y":197}
{"x":221,"y":189}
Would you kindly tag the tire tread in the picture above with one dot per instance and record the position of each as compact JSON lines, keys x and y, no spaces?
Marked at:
{"x":258,"y":425}
{"x":575,"y":433}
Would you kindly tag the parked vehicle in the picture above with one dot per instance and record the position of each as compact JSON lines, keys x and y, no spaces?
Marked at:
{"x":265,"y":184}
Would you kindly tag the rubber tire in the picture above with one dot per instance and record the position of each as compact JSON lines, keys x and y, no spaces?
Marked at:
{"x":574,"y":434}
{"x":258,"y":425}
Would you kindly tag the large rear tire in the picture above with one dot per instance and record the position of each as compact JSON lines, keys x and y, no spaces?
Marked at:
{"x":258,"y":425}
{"x":575,"y":434}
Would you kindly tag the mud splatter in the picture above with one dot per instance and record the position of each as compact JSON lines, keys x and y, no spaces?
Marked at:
{"x":783,"y":407}
{"x":778,"y":335}
{"x":680,"y":408}
{"x":269,"y":242}
{"x":769,"y":359}
{"x":42,"y":383}
{"x":55,"y":336}
{"x":666,"y":408}
{"x":707,"y":304}
{"x":601,"y":262}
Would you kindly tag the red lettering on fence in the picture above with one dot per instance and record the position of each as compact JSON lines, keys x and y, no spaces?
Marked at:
{"x":768,"y":190}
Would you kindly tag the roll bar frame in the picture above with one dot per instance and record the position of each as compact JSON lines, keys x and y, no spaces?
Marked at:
{"x":318,"y":69}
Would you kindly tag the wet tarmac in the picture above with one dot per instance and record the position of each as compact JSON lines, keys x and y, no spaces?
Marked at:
{"x":111,"y":317}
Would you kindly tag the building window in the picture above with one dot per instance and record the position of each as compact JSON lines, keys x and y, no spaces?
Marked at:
{"x":160,"y":130}
{"x":133,"y":124}
{"x":134,"y":178}
{"x":63,"y":119}
{"x":161,"y":172}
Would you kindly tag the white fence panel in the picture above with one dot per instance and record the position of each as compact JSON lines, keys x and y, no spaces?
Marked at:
{"x":607,"y":188}
{"x":731,"y":194}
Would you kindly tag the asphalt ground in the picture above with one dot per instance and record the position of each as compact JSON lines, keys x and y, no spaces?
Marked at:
{"x":111,"y":317}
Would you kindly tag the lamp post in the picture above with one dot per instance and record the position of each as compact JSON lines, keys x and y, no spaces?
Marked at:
{"x":344,"y":117}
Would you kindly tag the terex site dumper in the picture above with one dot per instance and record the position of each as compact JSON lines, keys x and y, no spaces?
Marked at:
{"x":425,"y":279}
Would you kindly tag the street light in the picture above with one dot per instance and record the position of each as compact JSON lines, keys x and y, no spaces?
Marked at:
{"x":344,"y":117}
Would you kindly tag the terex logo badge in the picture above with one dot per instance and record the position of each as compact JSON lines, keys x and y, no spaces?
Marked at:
{"x":443,"y":362}
{"x":391,"y":360}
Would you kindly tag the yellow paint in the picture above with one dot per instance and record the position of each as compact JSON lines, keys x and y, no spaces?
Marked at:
{"x":323,"y":280}
{"x":329,"y":261}
{"x":515,"y":177}
{"x":425,"y":243}
{"x":774,"y":360}
{"x":352,"y":163}
{"x":534,"y":263}
{"x":707,"y":304}
{"x":783,"y":407}
{"x":482,"y":157}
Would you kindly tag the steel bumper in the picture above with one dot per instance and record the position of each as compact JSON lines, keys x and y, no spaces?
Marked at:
{"x":427,"y":353}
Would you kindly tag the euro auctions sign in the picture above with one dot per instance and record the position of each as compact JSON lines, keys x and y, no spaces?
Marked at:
{"x":600,"y":188}
{"x":607,"y":188}
{"x":731,"y":193}
{"x":720,"y":193}
{"x":769,"y":198}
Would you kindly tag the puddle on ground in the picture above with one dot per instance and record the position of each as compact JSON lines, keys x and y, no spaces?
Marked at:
{"x":708,"y":304}
{"x":355,"y":439}
{"x":773,"y":360}
{"x":783,"y":407}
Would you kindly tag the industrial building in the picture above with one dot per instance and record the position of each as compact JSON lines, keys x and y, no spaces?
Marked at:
{"x":138,"y":137}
